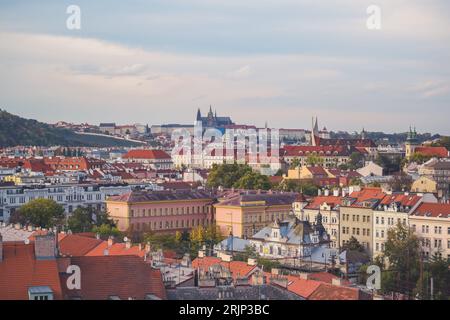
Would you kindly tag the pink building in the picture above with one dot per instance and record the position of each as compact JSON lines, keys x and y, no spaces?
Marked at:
{"x":161,"y":211}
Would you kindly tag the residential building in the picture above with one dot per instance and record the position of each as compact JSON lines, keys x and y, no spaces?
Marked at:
{"x":356,"y":217}
{"x":156,"y":159}
{"x":69,"y":196}
{"x":390,"y":211}
{"x":330,"y":156}
{"x":328,"y":208}
{"x":245,"y":213}
{"x":290,"y":238}
{"x":431,"y":222}
{"x":161,"y":211}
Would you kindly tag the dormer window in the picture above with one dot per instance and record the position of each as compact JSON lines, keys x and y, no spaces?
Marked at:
{"x":40,"y":293}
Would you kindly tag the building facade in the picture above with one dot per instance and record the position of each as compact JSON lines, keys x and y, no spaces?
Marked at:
{"x":161,"y":211}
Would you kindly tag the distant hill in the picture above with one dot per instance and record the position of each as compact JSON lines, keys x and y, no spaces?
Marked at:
{"x":15,"y":131}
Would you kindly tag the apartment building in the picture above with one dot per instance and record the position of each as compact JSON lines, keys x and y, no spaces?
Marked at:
{"x":161,"y":211}
{"x":356,"y":217}
{"x":392,"y":210}
{"x":245,"y":213}
{"x":70,"y":196}
{"x":431,"y":222}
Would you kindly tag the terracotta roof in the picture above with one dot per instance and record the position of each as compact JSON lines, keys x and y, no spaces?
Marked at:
{"x":366,"y":195}
{"x":302,"y":287}
{"x":77,"y":245}
{"x":117,"y":249}
{"x":270,"y":199}
{"x":147,"y":196}
{"x":20,"y":270}
{"x":319,"y":200}
{"x":330,"y":292}
{"x":122,"y":276}
{"x":237,"y":268}
{"x":146,"y":154}
{"x":296,"y":151}
{"x":440,"y":152}
{"x":433,"y":210}
{"x":404,"y":200}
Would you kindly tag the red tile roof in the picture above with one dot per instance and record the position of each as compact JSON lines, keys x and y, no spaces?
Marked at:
{"x":440,"y":152}
{"x":433,"y":210}
{"x":77,"y":245}
{"x":326,"y":277}
{"x":122,"y":276}
{"x":330,"y":292}
{"x":146,"y":154}
{"x":117,"y":249}
{"x":20,"y":270}
{"x":318,"y":201}
{"x":302,"y":287}
{"x":404,"y":200}
{"x":237,"y":268}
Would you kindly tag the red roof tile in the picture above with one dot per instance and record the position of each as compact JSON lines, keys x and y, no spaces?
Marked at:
{"x":20,"y":270}
{"x":122,"y":276}
{"x":330,"y":292}
{"x":433,"y":210}
{"x":440,"y":152}
{"x":76,"y":245}
{"x":146,"y":154}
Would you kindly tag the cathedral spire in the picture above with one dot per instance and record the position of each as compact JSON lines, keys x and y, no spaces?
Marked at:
{"x":199,"y":115}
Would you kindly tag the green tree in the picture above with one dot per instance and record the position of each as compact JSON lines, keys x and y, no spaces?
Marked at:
{"x":226,"y":175}
{"x":84,"y":219}
{"x":402,"y":252}
{"x":356,"y":160}
{"x":253,"y":180}
{"x":353,"y":245}
{"x":106,"y":230}
{"x":295,"y":163}
{"x":44,"y":213}
{"x":313,"y":160}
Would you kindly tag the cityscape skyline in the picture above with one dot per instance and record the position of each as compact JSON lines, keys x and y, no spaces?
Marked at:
{"x":174,"y":57}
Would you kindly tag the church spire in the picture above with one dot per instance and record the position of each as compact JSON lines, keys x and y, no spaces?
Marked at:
{"x":199,"y":115}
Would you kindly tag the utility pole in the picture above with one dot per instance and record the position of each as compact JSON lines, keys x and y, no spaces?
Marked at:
{"x":431,"y":288}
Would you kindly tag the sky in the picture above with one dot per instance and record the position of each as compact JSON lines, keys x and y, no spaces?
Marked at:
{"x":280,"y":61}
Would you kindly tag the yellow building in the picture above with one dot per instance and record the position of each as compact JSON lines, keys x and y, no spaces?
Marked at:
{"x":425,"y":185}
{"x":356,"y":217}
{"x":245,"y":213}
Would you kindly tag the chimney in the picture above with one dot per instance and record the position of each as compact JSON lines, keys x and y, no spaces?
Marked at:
{"x":97,"y":236}
{"x":106,"y":252}
{"x":110,"y":241}
{"x":336,"y":282}
{"x":319,"y":192}
{"x":1,"y":247}
{"x":336,"y":192}
{"x":128,"y":244}
{"x":304,"y":275}
{"x":45,"y":246}
{"x":344,"y":193}
{"x":148,"y":247}
{"x":252,"y":262}
{"x":327,"y":192}
{"x":140,"y":246}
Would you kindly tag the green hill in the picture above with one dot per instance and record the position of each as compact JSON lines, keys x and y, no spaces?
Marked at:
{"x":15,"y":131}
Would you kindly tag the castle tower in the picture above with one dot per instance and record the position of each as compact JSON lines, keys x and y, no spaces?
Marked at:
{"x":411,"y":143}
{"x":199,"y":115}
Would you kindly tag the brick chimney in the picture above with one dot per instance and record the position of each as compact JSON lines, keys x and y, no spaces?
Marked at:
{"x":45,"y":246}
{"x":128,"y":244}
{"x":110,"y":241}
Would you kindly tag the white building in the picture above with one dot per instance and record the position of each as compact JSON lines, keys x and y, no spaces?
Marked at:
{"x":69,"y":196}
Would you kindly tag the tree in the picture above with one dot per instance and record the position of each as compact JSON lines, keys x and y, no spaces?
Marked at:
{"x":84,"y":219}
{"x":249,"y":252}
{"x":356,"y":160}
{"x":419,"y":158}
{"x":313,"y":160}
{"x":226,"y":175}
{"x":353,"y":245}
{"x":44,"y":213}
{"x":295,"y":163}
{"x":402,"y":252}
{"x":253,"y":180}
{"x":107,"y":230}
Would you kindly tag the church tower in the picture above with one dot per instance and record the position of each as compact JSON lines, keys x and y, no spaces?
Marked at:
{"x":411,"y":143}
